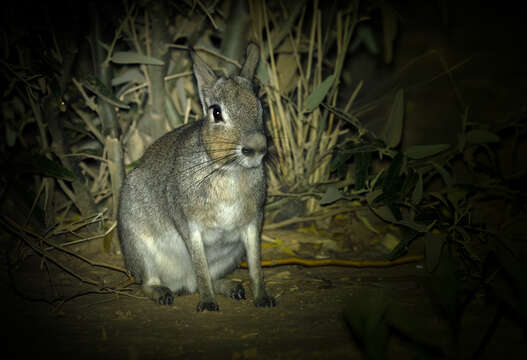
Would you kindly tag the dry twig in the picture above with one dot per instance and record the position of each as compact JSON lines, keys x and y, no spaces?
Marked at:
{"x":24,"y":232}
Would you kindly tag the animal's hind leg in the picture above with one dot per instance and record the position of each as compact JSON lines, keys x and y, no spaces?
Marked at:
{"x":229,"y":288}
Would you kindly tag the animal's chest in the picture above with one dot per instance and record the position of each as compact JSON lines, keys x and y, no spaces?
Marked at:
{"x":231,"y":204}
{"x":229,"y":215}
{"x":225,"y":224}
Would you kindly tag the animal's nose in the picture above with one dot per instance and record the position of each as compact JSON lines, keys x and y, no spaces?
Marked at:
{"x":254,"y":143}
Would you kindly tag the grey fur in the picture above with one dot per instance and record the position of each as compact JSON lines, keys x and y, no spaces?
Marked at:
{"x":193,"y":207}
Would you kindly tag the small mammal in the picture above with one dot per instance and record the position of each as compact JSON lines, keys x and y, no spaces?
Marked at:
{"x":193,"y":207}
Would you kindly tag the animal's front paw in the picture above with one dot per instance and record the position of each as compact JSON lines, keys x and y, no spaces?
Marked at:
{"x":265,"y":301}
{"x":209,"y":306}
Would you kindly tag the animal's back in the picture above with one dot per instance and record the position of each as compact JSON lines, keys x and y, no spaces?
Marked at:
{"x":145,"y":227}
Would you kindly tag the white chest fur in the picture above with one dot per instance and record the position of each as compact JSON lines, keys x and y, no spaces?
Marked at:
{"x":226,"y":224}
{"x":229,"y":215}
{"x":229,"y":207}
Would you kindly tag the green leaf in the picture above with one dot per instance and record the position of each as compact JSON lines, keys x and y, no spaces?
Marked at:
{"x":368,"y":39}
{"x":409,"y":183}
{"x":315,"y":98}
{"x":444,"y":174}
{"x":362,"y":164}
{"x":417,"y":194}
{"x":131,"y":57}
{"x":417,"y":152}
{"x":385,"y":213}
{"x":409,"y":235}
{"x":131,"y":75}
{"x":482,"y":137}
{"x":375,"y":180}
{"x":422,"y":228}
{"x":392,"y":182}
{"x":339,"y":160}
{"x":365,"y":315}
{"x":456,"y":196}
{"x":372,"y":196}
{"x":331,"y":195}
{"x":394,"y":127}
{"x":97,"y":86}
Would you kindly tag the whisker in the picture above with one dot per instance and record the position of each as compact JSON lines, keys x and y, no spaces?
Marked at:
{"x":195,"y":167}
{"x":215,"y":171}
{"x":212,"y":147}
{"x":211,"y":152}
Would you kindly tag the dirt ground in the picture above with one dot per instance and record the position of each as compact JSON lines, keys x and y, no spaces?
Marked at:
{"x":308,"y":320}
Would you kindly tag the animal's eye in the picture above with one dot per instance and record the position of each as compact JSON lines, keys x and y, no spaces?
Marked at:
{"x":216,"y":113}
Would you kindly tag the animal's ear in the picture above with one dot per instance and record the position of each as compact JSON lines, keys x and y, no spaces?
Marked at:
{"x":251,"y":61}
{"x":205,"y":78}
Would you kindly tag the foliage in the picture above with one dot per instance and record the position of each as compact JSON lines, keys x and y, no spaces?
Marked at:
{"x":422,"y":192}
{"x":373,"y":316}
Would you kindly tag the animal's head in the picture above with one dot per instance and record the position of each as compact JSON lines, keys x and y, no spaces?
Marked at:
{"x":233,"y":129}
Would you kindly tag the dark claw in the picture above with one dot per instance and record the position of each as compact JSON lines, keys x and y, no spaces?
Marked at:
{"x":166,"y":299}
{"x":238,"y":292}
{"x":209,"y":306}
{"x":265,"y":301}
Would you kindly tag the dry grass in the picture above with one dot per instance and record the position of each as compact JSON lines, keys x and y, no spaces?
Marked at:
{"x":303,"y":138}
